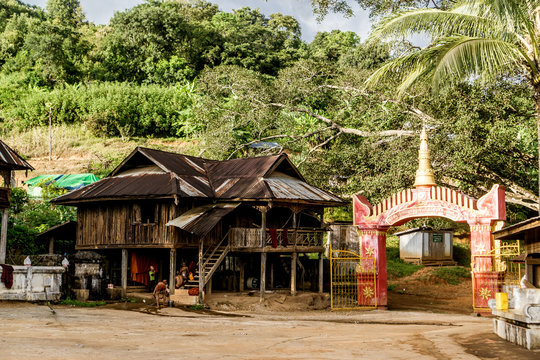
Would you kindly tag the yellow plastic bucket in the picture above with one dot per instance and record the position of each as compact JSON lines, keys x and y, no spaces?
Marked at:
{"x":501,"y":301}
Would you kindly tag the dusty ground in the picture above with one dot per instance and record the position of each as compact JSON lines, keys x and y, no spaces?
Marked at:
{"x":138,"y":331}
{"x":425,"y":292}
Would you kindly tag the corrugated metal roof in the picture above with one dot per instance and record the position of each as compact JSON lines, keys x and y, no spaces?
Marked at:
{"x":265,"y":178}
{"x":201,"y":220}
{"x":177,"y":163}
{"x":139,"y":185}
{"x":9,"y":159}
{"x":240,"y":168}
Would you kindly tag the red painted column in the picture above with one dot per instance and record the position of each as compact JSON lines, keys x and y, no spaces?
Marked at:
{"x":485,"y":283}
{"x":373,"y":245}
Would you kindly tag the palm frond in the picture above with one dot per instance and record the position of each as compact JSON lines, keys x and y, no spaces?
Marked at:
{"x":451,"y":60}
{"x":462,"y":20}
{"x":461,"y":58}
{"x":407,"y":69}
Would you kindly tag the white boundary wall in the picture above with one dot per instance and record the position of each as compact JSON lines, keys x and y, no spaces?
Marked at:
{"x":34,"y":283}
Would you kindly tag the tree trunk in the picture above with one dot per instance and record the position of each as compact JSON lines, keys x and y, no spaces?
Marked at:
{"x":537,"y":104}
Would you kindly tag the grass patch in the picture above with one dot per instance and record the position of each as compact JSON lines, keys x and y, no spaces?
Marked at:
{"x":453,"y":275}
{"x":395,"y":266}
{"x":391,"y":287}
{"x":70,"y":302}
{"x":398,"y":268}
{"x":129,"y":300}
{"x":196,"y":307}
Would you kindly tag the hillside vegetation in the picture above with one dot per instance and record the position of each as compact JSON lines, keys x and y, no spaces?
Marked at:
{"x":188,"y":77}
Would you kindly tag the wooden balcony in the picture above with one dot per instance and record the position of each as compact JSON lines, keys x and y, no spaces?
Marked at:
{"x":252,"y":240}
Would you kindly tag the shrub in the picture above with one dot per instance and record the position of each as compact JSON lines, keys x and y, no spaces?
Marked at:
{"x":112,"y":109}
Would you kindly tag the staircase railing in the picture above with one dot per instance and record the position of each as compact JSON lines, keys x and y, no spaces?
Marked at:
{"x":214,"y":250}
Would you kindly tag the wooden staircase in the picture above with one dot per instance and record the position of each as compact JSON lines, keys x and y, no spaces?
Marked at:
{"x":211,"y":261}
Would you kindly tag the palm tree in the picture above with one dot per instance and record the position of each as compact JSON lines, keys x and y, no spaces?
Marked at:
{"x":480,"y":40}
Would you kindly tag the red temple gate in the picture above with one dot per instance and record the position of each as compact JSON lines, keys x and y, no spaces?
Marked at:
{"x":427,"y":199}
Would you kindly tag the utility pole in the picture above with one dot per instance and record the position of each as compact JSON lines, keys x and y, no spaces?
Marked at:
{"x":50,"y":131}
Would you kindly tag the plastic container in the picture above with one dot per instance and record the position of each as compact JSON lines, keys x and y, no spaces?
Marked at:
{"x":501,"y":301}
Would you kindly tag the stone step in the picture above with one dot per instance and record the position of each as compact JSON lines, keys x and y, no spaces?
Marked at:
{"x":180,"y":299}
{"x":181,"y":292}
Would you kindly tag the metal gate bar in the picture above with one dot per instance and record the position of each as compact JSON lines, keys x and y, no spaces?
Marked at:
{"x":353,"y":281}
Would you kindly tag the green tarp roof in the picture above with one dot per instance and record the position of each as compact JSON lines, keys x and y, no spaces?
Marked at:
{"x":70,"y":181}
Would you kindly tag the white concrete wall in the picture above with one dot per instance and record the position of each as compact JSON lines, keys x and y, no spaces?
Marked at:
{"x":410,"y":245}
{"x":34,"y":283}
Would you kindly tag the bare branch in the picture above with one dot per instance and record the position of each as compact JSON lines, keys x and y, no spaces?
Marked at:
{"x":413,"y":111}
{"x":346,"y":89}
{"x":343,"y":129}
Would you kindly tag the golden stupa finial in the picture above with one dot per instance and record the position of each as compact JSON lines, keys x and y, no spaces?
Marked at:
{"x":424,"y":174}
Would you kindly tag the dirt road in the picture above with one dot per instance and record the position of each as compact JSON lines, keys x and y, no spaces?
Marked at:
{"x":136,"y":331}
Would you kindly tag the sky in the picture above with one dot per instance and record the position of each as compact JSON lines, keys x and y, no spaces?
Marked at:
{"x":100,"y":11}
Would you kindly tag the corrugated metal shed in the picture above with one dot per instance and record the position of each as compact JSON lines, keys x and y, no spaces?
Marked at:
{"x":260,"y":178}
{"x":10,"y":160}
{"x":201,"y":220}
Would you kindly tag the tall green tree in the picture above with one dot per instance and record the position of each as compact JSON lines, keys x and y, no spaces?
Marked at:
{"x":481,"y":40}
{"x":65,"y":12}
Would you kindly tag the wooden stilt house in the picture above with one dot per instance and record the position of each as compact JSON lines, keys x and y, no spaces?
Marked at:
{"x":9,"y":162}
{"x":164,"y":208}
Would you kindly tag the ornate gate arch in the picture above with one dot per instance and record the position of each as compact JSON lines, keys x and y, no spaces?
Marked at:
{"x":426,"y":199}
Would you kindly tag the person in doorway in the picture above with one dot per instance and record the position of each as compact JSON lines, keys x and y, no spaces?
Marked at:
{"x":178,"y":280}
{"x":191,"y":270}
{"x":161,"y":290}
{"x":152,"y":277}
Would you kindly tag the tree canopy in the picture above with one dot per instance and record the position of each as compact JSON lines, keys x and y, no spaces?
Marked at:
{"x":244,"y":83}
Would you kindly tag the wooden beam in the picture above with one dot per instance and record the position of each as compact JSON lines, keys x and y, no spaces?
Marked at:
{"x":134,"y":246}
{"x":124,"y":271}
{"x":321,"y":263}
{"x":263,"y":210}
{"x":209,"y":286}
{"x":242,"y":275}
{"x":172,"y":270}
{"x":263,"y":275}
{"x":3,"y":236}
{"x":201,"y":272}
{"x":293,"y":273}
{"x":280,"y":249}
{"x":271,"y":275}
{"x":51,"y":245}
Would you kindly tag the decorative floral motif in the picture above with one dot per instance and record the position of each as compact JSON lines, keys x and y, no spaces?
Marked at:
{"x":480,"y":249}
{"x":368,"y":292}
{"x":485,"y":293}
{"x":370,"y":251}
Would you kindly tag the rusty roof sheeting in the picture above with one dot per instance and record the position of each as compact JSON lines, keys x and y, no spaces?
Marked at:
{"x":9,"y":159}
{"x":139,"y":185}
{"x":177,"y":163}
{"x":186,"y":176}
{"x":201,"y":220}
{"x":241,"y":168}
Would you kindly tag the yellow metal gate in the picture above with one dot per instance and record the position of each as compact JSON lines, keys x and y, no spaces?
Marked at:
{"x":493,"y":270}
{"x":353,"y":281}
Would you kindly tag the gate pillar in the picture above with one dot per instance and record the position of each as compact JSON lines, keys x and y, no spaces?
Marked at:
{"x":484,"y":278}
{"x":373,"y":245}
